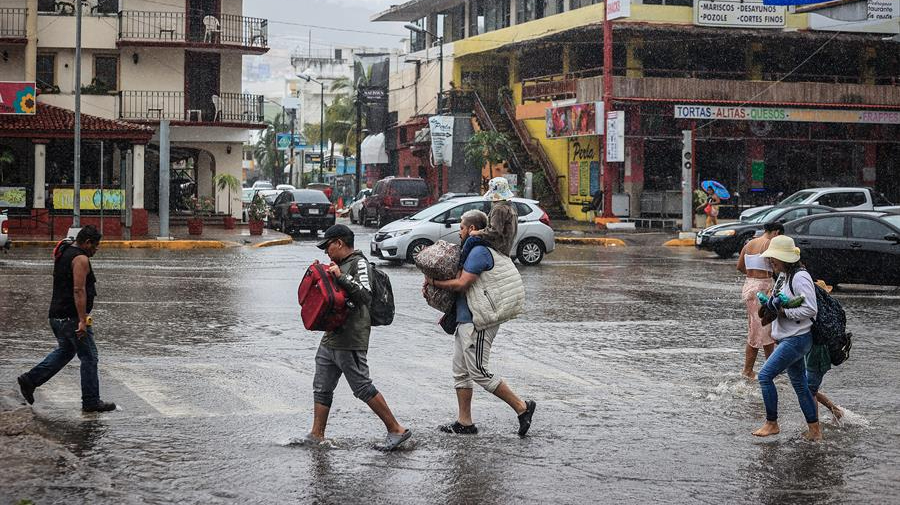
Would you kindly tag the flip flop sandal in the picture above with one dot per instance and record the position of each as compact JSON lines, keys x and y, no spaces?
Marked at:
{"x":393,"y":440}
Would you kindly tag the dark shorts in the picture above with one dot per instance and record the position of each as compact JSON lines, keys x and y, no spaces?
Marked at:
{"x":331,"y":364}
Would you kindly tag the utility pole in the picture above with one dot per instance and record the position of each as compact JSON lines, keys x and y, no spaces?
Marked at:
{"x":76,"y":201}
{"x":607,"y":105}
{"x":164,"y":178}
{"x":358,"y":142}
{"x":293,"y":127}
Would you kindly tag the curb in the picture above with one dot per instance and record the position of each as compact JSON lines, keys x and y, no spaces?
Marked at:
{"x":680,"y":242}
{"x":606,"y":242}
{"x":175,"y":245}
{"x":274,"y":242}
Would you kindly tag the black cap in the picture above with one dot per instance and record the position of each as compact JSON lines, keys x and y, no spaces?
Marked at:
{"x":333,"y":232}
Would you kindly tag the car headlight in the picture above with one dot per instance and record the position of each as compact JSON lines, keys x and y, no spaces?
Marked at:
{"x":724,"y":233}
{"x":398,"y":233}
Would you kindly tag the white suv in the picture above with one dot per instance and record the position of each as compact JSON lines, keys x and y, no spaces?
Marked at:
{"x":402,"y":240}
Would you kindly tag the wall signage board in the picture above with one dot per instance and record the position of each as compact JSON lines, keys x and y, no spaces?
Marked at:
{"x":738,"y":14}
{"x":576,"y":120}
{"x":711,"y":112}
{"x":17,"y":98}
{"x":616,"y":9}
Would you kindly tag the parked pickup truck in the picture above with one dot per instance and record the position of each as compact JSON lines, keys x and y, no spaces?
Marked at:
{"x":859,"y":199}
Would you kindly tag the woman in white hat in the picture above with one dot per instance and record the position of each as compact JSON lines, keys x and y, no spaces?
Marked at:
{"x":503,"y":220}
{"x":791,"y":330}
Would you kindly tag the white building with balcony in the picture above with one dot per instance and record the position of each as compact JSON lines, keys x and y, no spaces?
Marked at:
{"x":142,"y":62}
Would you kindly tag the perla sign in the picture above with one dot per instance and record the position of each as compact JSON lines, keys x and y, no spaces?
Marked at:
{"x":746,"y":14}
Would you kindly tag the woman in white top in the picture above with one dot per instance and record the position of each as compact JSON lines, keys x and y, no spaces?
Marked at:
{"x":791,"y":329}
{"x":759,"y":279}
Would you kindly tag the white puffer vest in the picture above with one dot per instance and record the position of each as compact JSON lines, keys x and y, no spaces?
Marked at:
{"x":498,"y":295}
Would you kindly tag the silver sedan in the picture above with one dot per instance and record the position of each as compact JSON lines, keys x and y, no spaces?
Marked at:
{"x":402,"y":240}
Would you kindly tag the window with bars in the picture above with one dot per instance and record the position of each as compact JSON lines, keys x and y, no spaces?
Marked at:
{"x":46,"y":71}
{"x":106,"y":71}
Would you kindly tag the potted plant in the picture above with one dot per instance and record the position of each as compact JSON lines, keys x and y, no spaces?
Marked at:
{"x":200,"y":207}
{"x":698,"y":200}
{"x":231,"y":183}
{"x":256,"y":213}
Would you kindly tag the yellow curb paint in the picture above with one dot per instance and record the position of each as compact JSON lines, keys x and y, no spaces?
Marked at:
{"x":274,"y":242}
{"x":175,"y":245}
{"x":680,"y":242}
{"x":606,"y":242}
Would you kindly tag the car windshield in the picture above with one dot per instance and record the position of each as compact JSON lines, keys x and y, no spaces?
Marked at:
{"x":765,"y":216}
{"x":412,"y":188}
{"x":310,"y":196}
{"x":432,"y":211}
{"x":798,"y":197}
{"x":247,"y":194}
{"x":894,"y":219}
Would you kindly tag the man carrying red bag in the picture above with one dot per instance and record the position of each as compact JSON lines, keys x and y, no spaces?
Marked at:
{"x":343,"y":351}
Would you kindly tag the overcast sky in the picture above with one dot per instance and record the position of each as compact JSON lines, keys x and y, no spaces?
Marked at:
{"x":296,"y":19}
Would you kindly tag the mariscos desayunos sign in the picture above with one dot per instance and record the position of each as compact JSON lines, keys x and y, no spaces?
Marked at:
{"x":737,"y":13}
{"x":716,"y":112}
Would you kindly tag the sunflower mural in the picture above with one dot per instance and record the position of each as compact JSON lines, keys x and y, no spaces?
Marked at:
{"x":25,"y":102}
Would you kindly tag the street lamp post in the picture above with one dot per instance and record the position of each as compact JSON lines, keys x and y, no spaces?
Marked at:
{"x":422,"y":31}
{"x":308,"y":78}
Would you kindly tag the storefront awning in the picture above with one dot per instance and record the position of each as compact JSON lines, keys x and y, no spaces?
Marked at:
{"x":50,"y":122}
{"x":372,"y":149}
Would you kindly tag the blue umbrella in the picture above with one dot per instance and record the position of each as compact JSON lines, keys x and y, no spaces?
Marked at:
{"x":720,"y":190}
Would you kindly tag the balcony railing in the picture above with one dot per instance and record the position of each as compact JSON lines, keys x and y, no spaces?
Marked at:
{"x":234,"y":108}
{"x":12,"y":23}
{"x":177,"y":27}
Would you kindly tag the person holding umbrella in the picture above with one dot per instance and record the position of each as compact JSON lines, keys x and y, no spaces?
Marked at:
{"x":715,"y":193}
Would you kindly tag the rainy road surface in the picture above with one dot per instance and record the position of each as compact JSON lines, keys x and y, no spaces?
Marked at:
{"x":632,"y":354}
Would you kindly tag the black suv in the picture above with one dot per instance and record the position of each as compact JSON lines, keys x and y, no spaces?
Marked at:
{"x":395,"y":197}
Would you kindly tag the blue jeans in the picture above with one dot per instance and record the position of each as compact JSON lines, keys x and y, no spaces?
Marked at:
{"x":70,"y":346}
{"x":788,"y":355}
{"x":814,"y":379}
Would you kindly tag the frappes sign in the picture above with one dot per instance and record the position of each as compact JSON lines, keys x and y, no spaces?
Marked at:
{"x":739,"y":14}
{"x":716,"y":112}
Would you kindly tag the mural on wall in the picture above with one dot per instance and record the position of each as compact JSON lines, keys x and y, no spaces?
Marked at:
{"x":577,"y":120}
{"x":584,"y":168}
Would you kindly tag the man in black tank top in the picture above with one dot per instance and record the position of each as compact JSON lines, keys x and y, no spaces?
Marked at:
{"x":70,"y":307}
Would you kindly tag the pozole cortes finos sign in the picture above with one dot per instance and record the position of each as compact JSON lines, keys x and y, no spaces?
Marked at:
{"x":713,"y":112}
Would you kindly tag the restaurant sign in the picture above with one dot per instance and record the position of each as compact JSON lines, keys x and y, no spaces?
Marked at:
{"x":576,"y":120}
{"x":113,"y":199}
{"x":716,"y":112}
{"x":738,"y":14}
{"x":17,"y":98}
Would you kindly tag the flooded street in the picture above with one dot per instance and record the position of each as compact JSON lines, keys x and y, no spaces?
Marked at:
{"x":632,"y":354}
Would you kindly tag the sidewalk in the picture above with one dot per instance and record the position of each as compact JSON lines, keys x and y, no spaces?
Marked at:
{"x":580,"y":232}
{"x":213,"y":237}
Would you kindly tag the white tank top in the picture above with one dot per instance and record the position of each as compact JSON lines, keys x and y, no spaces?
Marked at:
{"x":756,"y":262}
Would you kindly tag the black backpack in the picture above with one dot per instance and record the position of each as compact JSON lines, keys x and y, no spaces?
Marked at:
{"x":381,"y":310}
{"x":830,"y":326}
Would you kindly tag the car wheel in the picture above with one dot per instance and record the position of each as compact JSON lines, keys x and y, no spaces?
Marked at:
{"x":415,"y":248}
{"x":530,"y":252}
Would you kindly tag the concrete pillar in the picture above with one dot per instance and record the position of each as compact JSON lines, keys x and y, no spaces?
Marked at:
{"x":137,"y":167}
{"x":40,"y":174}
{"x":867,"y":65}
{"x":633,"y":182}
{"x":567,"y":59}
{"x":634,"y":58}
{"x":754,"y":61}
{"x":205,"y":172}
{"x":31,"y":33}
{"x":468,"y":15}
{"x":431,"y":26}
{"x":512,"y":13}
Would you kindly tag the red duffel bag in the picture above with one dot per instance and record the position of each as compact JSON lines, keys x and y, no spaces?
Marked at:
{"x":323,"y":304}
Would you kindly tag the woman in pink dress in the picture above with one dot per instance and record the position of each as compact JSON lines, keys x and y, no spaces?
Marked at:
{"x":759,"y":279}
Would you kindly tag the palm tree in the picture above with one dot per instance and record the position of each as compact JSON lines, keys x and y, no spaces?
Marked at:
{"x":487,"y":147}
{"x":265,"y":152}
